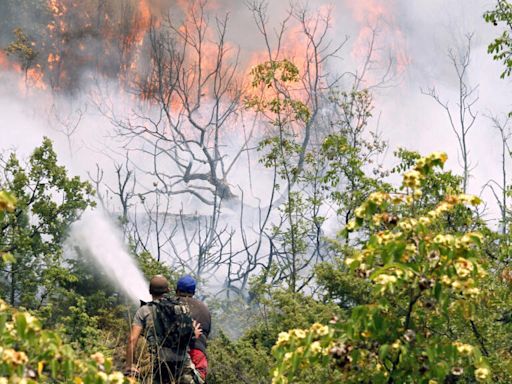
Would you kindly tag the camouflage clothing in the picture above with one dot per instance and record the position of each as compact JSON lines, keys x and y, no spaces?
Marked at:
{"x":168,"y":366}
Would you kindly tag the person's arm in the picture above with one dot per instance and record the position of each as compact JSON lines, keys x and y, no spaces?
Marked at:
{"x":130,"y":348}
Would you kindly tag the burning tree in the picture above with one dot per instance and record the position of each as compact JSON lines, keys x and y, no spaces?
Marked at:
{"x":190,"y":130}
{"x":192,"y":94}
{"x":23,"y":49}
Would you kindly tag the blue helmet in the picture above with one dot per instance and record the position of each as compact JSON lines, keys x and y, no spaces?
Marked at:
{"x":186,"y":284}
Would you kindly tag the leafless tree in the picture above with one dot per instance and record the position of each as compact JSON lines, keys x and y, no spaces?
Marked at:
{"x":500,"y":189}
{"x":192,"y":83}
{"x":67,"y":124}
{"x":463,"y":117}
{"x":192,"y":97}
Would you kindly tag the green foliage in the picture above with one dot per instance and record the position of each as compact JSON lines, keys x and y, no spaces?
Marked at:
{"x":269,"y":72}
{"x":7,"y":205}
{"x":340,"y":285}
{"x":282,"y":152}
{"x":427,"y":280}
{"x":249,"y":357}
{"x":501,"y":47}
{"x":23,"y":49}
{"x":48,"y":201}
{"x":237,"y":361}
{"x":283,"y":109}
{"x":151,"y":267}
{"x":280,"y":309}
{"x":333,"y":172}
{"x":67,"y":294}
{"x":345,"y":179}
{"x":79,"y":325}
{"x":31,"y":354}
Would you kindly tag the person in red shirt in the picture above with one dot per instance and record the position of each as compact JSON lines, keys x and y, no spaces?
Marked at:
{"x":185,"y":290}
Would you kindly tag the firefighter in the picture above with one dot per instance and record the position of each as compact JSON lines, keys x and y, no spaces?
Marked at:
{"x":185,"y":290}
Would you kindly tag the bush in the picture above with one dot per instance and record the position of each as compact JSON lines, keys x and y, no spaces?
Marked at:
{"x":426,"y":280}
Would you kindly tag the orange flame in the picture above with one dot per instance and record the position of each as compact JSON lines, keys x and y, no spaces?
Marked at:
{"x":4,"y":62}
{"x":297,"y":48}
{"x":374,"y":14}
{"x":143,"y":20}
{"x":125,"y":42}
{"x":35,"y":77}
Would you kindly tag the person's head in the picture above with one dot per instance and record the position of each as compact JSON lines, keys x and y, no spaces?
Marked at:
{"x":158,"y":286}
{"x":186,"y":286}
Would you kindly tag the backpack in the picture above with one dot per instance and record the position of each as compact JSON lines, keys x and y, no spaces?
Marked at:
{"x":173,"y":324}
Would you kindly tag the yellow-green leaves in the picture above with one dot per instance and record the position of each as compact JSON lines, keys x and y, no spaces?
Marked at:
{"x":8,"y":258}
{"x":7,"y":201}
{"x":298,"y":348}
{"x":276,"y":76}
{"x":275,"y":70}
{"x":7,"y":204}
{"x":32,"y":355}
{"x":23,"y":49}
{"x":423,"y":271}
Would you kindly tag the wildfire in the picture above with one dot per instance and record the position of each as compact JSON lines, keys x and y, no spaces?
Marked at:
{"x":56,"y":7}
{"x":114,"y":40}
{"x":370,"y":14}
{"x":143,"y":21}
{"x":4,"y":62}
{"x":58,"y":11}
{"x":133,"y":43}
{"x":35,"y":78}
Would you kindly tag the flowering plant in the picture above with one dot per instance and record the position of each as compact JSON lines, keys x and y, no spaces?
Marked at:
{"x":30,"y":354}
{"x":424,"y":276}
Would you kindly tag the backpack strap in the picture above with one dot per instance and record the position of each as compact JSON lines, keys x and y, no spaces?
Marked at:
{"x":156,"y":323}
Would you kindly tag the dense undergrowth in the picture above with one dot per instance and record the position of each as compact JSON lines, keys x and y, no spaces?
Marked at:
{"x":417,"y":298}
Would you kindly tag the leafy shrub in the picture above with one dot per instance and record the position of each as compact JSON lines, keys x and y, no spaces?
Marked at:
{"x":30,"y":354}
{"x":425,"y":279}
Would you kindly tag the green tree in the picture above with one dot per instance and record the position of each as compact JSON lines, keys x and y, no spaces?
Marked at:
{"x":23,"y":49}
{"x":501,"y":47}
{"x":282,"y":151}
{"x":425,"y":319}
{"x":48,"y":201}
{"x":30,"y":354}
{"x":331,"y":173}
